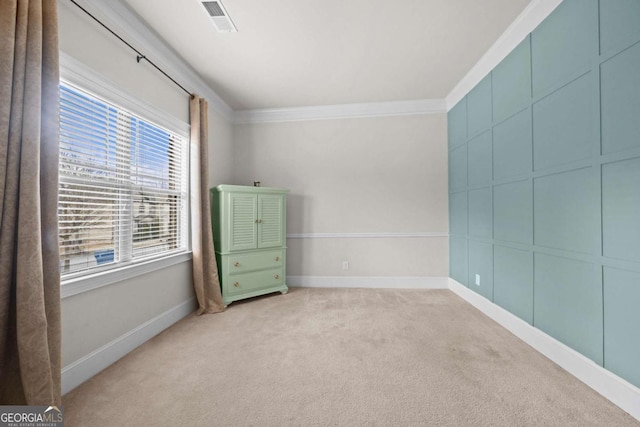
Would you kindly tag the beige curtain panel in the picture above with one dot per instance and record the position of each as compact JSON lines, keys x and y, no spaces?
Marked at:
{"x":29,"y":274}
{"x":205,"y":271}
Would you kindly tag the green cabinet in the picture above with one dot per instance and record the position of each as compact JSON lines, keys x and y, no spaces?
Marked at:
{"x":249,"y":237}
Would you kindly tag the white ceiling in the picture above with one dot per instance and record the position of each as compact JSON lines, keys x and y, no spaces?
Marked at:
{"x":292,"y":53}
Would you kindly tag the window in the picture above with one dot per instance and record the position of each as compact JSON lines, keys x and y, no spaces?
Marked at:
{"x":123,"y":186}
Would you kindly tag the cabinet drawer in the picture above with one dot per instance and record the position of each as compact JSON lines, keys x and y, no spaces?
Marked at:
{"x":254,"y":261}
{"x":246,"y":282}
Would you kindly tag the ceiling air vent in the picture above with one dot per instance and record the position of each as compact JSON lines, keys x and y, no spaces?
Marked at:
{"x":220,"y":17}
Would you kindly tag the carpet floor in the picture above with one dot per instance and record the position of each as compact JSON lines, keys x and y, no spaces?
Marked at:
{"x":339,"y":357}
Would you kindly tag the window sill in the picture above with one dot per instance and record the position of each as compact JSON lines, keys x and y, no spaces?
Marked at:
{"x":82,"y":284}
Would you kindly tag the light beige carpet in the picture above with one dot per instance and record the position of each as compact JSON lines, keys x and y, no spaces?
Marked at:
{"x":339,"y":357}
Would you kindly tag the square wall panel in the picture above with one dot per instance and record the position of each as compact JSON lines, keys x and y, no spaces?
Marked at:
{"x":458,"y":213}
{"x":511,"y":81}
{"x":568,"y":303}
{"x":513,"y":281}
{"x":564,"y":43}
{"x":565,"y":211}
{"x":512,"y":147}
{"x":563,"y":129}
{"x":481,"y":213}
{"x":619,"y":24}
{"x":513,"y":212}
{"x":458,"y":168}
{"x":458,"y":259}
{"x":479,"y":106}
{"x":481,"y":264}
{"x":480,"y":159}
{"x":620,"y":93}
{"x":621,"y":210}
{"x":457,"y":124}
{"x":622,"y":323}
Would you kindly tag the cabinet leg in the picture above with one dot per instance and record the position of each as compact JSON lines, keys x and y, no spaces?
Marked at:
{"x":284,"y":292}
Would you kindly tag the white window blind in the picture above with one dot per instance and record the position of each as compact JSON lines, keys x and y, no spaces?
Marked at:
{"x":123,"y":186}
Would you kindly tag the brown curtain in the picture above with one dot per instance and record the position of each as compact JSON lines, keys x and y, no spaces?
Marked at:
{"x":29,"y":274}
{"x":205,"y":271}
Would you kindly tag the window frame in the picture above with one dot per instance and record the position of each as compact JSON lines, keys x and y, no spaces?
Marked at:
{"x":78,"y":75}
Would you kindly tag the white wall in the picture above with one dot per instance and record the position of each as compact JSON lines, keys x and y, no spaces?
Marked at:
{"x":220,"y":149}
{"x":95,"y":318}
{"x":357,"y":175}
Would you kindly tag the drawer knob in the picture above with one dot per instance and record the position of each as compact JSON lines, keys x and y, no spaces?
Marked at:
{"x":236,"y":284}
{"x":277,"y":276}
{"x":236,"y":264}
{"x":277,"y":258}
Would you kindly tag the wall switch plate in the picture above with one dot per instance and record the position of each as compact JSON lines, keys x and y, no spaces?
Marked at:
{"x":345,"y":265}
{"x":478,"y":279}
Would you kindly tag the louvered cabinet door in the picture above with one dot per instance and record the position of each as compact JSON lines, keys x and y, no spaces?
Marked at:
{"x":242,"y":224}
{"x":270,"y":220}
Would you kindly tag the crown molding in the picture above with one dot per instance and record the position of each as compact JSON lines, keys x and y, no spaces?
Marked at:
{"x":120,"y":18}
{"x":375,"y":282}
{"x":342,"y":111}
{"x":525,"y":23}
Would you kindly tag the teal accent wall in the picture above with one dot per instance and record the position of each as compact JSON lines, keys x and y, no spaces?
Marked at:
{"x":544,"y":182}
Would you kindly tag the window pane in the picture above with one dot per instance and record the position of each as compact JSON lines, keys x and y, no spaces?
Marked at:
{"x":122,"y":187}
{"x":87,"y":136}
{"x":87,"y":218}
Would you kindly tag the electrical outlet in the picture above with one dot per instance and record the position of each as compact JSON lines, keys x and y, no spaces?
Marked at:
{"x":478,"y":279}
{"x":345,"y":265}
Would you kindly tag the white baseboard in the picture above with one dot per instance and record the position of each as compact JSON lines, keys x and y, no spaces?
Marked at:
{"x":426,"y":282}
{"x":383,"y":235}
{"x":86,"y":367}
{"x":609,"y":385}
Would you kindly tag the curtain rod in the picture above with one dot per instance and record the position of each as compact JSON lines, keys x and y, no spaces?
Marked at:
{"x":139,"y":56}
